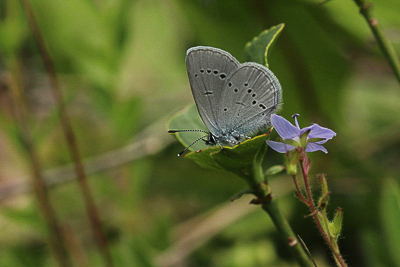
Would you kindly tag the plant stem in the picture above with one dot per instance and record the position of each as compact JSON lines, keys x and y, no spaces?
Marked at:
{"x":298,"y":192}
{"x":91,"y":208}
{"x":311,"y":205}
{"x":286,"y":231}
{"x":57,"y":241}
{"x":384,"y":44}
{"x":270,"y":205}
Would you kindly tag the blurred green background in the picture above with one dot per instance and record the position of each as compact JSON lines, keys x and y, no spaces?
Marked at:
{"x":122,"y":69}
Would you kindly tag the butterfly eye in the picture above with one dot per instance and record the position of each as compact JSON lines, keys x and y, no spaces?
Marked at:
{"x":215,"y":72}
{"x":246,"y":84}
{"x":236,"y":90}
{"x":222,"y":76}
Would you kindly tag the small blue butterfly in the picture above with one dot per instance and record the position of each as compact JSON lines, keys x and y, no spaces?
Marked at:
{"x":235,"y":101}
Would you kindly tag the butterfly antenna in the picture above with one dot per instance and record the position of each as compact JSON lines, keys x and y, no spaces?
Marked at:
{"x":177,"y":131}
{"x":194,"y":142}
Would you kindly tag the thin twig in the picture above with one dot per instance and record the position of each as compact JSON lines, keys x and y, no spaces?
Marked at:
{"x":146,"y":143}
{"x":384,"y":44}
{"x":57,"y":241}
{"x":307,"y":250}
{"x":70,"y":137}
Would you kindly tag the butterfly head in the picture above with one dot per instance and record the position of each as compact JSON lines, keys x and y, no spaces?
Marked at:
{"x":209,"y":139}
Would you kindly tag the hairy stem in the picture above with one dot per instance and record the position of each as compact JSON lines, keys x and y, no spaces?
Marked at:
{"x":338,"y":257}
{"x":384,"y":44}
{"x":298,"y":191}
{"x":91,"y":208}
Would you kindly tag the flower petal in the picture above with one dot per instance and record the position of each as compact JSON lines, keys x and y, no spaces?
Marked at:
{"x":305,"y":129}
{"x":312,"y":147}
{"x":321,"y":132}
{"x":284,"y":128}
{"x":321,"y":142}
{"x":280,"y":147}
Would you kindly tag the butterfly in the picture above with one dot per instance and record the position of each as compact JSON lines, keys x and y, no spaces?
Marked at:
{"x":234,"y":100}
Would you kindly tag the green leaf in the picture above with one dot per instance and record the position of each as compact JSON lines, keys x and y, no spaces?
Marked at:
{"x":324,"y":198}
{"x":322,"y":219}
{"x":274,"y":170}
{"x":390,"y":214}
{"x":335,"y":227}
{"x":240,"y":158}
{"x":242,"y":193}
{"x":257,"y":49}
{"x":188,"y":119}
{"x":203,"y":158}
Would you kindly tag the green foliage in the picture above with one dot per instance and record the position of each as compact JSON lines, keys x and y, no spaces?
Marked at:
{"x":13,"y":29}
{"x":257,"y":50}
{"x":390,"y":214}
{"x":335,"y":227}
{"x":274,"y":170}
{"x":121,"y":67}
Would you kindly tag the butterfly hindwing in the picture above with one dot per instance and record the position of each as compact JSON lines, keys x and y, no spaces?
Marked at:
{"x":250,"y":95}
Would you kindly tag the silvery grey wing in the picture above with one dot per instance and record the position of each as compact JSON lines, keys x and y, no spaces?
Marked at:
{"x":208,"y":69}
{"x":251,"y":94}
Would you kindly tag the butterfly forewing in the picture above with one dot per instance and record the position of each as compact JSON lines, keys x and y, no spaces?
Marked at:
{"x":250,"y":95}
{"x":208,"y":70}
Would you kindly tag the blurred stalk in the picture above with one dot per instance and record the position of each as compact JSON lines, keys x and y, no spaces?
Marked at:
{"x":57,"y":242}
{"x":384,"y":44}
{"x":91,"y":208}
{"x":148,"y":142}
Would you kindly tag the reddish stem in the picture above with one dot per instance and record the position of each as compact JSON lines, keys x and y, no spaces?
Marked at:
{"x":304,"y":164}
{"x":298,"y":192}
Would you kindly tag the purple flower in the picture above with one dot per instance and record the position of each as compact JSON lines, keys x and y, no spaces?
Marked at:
{"x":292,"y":135}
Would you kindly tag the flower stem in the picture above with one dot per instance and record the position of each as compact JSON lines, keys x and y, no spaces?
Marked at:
{"x":298,"y":192}
{"x":338,"y":257}
{"x":384,"y":44}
